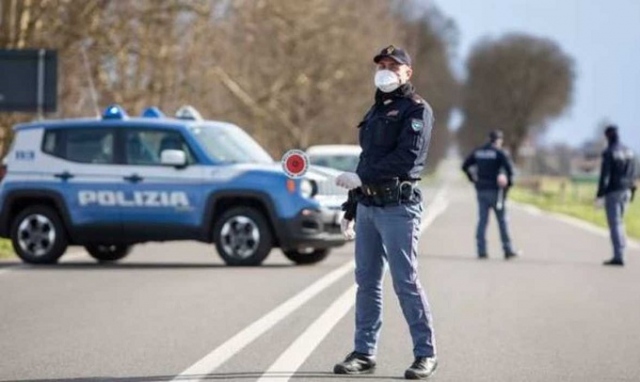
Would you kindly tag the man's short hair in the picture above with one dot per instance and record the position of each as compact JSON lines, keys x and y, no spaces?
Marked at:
{"x":495,"y":135}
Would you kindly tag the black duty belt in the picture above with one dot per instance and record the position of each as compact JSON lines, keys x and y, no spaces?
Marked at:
{"x":389,"y":193}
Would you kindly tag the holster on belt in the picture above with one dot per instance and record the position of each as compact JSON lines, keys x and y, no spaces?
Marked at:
{"x":351,"y":205}
{"x":388,"y":193}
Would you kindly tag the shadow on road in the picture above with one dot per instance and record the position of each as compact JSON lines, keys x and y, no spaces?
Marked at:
{"x":212,"y":377}
{"x":89,"y":265}
{"x":497,"y":259}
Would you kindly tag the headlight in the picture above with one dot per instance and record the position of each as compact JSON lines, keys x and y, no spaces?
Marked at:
{"x":308,"y":188}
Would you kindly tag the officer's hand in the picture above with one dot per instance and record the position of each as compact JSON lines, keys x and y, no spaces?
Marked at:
{"x":348,"y":180}
{"x":599,"y":202}
{"x":348,"y":228}
{"x":503,"y":181}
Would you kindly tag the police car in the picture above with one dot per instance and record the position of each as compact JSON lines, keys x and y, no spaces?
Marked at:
{"x":109,"y":183}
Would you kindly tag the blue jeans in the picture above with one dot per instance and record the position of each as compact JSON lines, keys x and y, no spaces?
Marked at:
{"x":615,"y":204}
{"x":389,"y":235}
{"x":489,"y":200}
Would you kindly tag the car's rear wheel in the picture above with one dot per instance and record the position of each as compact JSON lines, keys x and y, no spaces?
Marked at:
{"x":38,"y":235}
{"x":304,"y":257}
{"x":108,"y":252}
{"x":243,"y":236}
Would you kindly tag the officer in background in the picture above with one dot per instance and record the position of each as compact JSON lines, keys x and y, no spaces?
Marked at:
{"x":617,"y":187}
{"x":492,"y":177}
{"x":386,"y":205}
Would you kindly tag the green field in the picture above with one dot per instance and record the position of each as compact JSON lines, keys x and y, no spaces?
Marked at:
{"x":573,"y":198}
{"x":6,"y":251}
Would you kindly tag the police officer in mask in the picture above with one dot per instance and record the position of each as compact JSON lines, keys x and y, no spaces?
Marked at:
{"x":617,"y":187}
{"x":489,"y":168}
{"x":385,"y":205}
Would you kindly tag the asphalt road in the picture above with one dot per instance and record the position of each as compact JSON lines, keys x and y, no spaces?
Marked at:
{"x":174,"y":312}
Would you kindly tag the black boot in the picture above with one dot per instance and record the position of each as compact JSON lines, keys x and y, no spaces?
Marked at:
{"x":617,"y":262}
{"x":422,"y":368}
{"x":511,"y":254}
{"x":356,"y":363}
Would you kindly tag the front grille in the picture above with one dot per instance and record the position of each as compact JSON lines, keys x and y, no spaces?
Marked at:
{"x":328,"y":187}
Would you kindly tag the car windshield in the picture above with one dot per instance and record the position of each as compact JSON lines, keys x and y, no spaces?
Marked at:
{"x":229,"y":143}
{"x":347,"y":162}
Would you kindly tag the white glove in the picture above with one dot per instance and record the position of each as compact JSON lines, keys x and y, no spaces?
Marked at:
{"x":348,"y":180}
{"x":347,"y":228}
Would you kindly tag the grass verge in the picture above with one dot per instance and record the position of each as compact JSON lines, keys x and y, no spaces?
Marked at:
{"x":574,"y":199}
{"x":6,"y":250}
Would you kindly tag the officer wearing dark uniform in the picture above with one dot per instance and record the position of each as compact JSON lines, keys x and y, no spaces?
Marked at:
{"x":386,"y":204}
{"x":617,"y":186}
{"x":492,"y":178}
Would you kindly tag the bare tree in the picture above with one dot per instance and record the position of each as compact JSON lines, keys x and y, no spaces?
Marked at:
{"x":517,"y":83}
{"x":430,"y":36}
{"x":292,"y":73}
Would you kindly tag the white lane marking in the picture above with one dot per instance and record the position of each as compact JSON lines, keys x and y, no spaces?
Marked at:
{"x":210,"y":362}
{"x":295,"y":355}
{"x":433,"y":210}
{"x":12,"y":268}
{"x":589,"y":227}
{"x":290,"y":361}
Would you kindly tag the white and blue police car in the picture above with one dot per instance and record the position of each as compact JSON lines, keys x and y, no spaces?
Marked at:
{"x":115,"y":181}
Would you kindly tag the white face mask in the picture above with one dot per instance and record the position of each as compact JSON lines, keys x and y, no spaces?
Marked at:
{"x":386,"y":80}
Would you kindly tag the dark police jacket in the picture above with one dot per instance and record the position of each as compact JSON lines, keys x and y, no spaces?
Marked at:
{"x":490,"y":161}
{"x":618,"y":169}
{"x":394,"y":135}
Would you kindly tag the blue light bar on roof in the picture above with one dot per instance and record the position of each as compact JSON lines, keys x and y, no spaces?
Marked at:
{"x":152,"y":112}
{"x":188,"y":112}
{"x":114,"y":112}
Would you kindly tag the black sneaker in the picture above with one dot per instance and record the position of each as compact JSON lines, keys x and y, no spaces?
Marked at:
{"x":483,"y":256}
{"x":356,"y":363}
{"x":617,"y":262}
{"x":511,"y":254}
{"x":422,"y":368}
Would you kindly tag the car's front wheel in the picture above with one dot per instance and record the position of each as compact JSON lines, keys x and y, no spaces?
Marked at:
{"x":242,"y":236}
{"x":38,"y":235}
{"x":304,"y":257}
{"x":108,"y":252}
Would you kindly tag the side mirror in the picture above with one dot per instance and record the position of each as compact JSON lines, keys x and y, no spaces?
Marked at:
{"x":176,"y":158}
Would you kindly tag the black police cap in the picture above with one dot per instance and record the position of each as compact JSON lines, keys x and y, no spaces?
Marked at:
{"x":397,"y":54}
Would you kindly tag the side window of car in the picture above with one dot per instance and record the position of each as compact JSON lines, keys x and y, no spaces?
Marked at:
{"x":144,"y":147}
{"x":80,"y":145}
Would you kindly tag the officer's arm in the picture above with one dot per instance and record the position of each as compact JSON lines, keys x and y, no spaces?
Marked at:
{"x":507,"y":164}
{"x":635,"y":176}
{"x":605,"y":170}
{"x":466,"y":166}
{"x":413,"y":143}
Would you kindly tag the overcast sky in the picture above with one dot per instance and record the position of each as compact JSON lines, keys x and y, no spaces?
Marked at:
{"x":602,"y":36}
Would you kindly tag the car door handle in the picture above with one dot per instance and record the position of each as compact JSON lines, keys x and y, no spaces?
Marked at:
{"x":135,"y":178}
{"x":64,"y":175}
